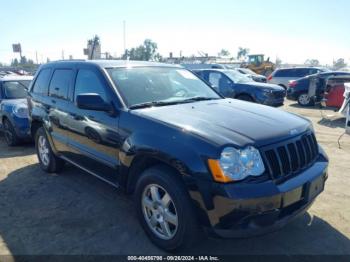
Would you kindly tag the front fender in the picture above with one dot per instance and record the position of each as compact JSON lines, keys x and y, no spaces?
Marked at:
{"x":176,"y":153}
{"x":171,"y":150}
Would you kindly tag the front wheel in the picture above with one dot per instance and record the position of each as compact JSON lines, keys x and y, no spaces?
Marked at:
{"x":304,"y":100}
{"x":11,"y":137}
{"x":47,"y":160}
{"x":165,"y":210}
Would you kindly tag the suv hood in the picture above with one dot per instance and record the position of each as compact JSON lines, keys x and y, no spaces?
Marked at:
{"x":265,"y":85}
{"x":229,"y":121}
{"x":13,"y":102}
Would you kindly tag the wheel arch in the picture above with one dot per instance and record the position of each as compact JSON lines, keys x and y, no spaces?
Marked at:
{"x":143,"y":162}
{"x":34,"y":126}
{"x":245,"y":94}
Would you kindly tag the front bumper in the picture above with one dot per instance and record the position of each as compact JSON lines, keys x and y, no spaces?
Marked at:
{"x":22,"y":127}
{"x":271,"y":99}
{"x":248,"y":209}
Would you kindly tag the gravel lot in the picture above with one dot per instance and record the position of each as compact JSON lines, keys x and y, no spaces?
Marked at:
{"x":73,"y":213}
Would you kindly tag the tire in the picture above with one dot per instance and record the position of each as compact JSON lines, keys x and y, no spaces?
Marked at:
{"x":304,"y":99}
{"x":165,"y":181}
{"x":245,"y":98}
{"x":11,"y":137}
{"x":49,"y":163}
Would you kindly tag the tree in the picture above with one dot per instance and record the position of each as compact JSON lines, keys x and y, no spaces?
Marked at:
{"x":145,"y":52}
{"x":23,"y":60}
{"x":14,"y":62}
{"x":224,"y":52}
{"x":339,"y":63}
{"x":312,"y":62}
{"x":242,"y":53}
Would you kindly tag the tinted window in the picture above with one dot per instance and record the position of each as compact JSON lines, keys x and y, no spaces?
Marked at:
{"x":15,"y":89}
{"x":60,"y":82}
{"x":281,"y":73}
{"x":41,"y":83}
{"x":88,"y":82}
{"x":302,"y":72}
{"x":293,"y":72}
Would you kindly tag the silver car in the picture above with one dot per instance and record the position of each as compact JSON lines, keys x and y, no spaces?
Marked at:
{"x":283,"y":76}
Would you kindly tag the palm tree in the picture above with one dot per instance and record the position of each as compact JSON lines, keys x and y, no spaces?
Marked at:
{"x":242,"y":52}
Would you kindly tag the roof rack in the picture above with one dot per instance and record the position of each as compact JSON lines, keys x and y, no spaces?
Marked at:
{"x":68,"y":60}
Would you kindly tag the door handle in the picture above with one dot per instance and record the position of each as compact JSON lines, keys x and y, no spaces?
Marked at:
{"x":53,"y":101}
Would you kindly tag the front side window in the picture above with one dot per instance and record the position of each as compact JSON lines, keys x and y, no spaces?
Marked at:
{"x":237,"y":77}
{"x":214,"y":79}
{"x":159,"y":84}
{"x":16,"y":89}
{"x":60,"y":83}
{"x":88,"y":82}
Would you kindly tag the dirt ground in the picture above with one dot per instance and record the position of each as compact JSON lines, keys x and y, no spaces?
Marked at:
{"x":73,"y":213}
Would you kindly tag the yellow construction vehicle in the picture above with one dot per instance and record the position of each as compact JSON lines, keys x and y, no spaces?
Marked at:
{"x":257,"y":64}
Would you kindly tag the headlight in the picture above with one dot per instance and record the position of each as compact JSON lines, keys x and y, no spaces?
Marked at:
{"x":237,"y":164}
{"x":20,"y":111}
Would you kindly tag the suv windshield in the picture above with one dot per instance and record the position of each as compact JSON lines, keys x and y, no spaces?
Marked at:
{"x":16,"y":89}
{"x":237,"y":77}
{"x":159,"y":86}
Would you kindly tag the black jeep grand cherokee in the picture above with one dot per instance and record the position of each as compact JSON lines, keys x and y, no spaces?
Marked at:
{"x":191,"y":158}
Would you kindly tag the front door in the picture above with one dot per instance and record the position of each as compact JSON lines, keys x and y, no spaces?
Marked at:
{"x":93,"y":139}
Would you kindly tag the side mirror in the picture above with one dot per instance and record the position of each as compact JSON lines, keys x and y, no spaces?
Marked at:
{"x":92,"y":101}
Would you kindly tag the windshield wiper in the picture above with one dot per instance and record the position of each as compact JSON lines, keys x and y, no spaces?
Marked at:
{"x":150,"y":104}
{"x":198,"y":98}
{"x":165,"y":103}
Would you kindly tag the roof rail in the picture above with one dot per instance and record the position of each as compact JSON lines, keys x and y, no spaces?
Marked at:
{"x":68,"y":60}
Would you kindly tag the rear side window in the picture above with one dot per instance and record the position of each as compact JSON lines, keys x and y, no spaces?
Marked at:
{"x":42,"y":82}
{"x":281,"y":73}
{"x":60,"y":82}
{"x":302,"y":72}
{"x":87,"y":81}
{"x":293,"y":72}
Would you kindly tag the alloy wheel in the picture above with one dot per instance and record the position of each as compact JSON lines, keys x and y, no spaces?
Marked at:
{"x":304,"y":99}
{"x":43,"y":150}
{"x":159,"y":211}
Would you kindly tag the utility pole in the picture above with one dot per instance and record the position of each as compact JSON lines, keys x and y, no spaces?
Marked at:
{"x":62,"y":54}
{"x":36,"y":57}
{"x":124,"y":35}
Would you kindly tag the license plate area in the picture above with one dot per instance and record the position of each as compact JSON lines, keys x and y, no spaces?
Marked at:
{"x":315,"y":188}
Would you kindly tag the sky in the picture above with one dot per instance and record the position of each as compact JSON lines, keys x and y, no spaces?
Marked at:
{"x":291,"y":30}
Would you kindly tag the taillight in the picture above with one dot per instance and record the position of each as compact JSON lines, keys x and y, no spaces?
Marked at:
{"x":269,"y":77}
{"x":293,"y":84}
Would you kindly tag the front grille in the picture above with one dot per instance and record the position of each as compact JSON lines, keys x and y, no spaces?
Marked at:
{"x":278,"y":94}
{"x":290,"y":157}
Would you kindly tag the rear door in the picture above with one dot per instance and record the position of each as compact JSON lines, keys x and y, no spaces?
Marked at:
{"x":58,"y":103}
{"x":94,"y":139}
